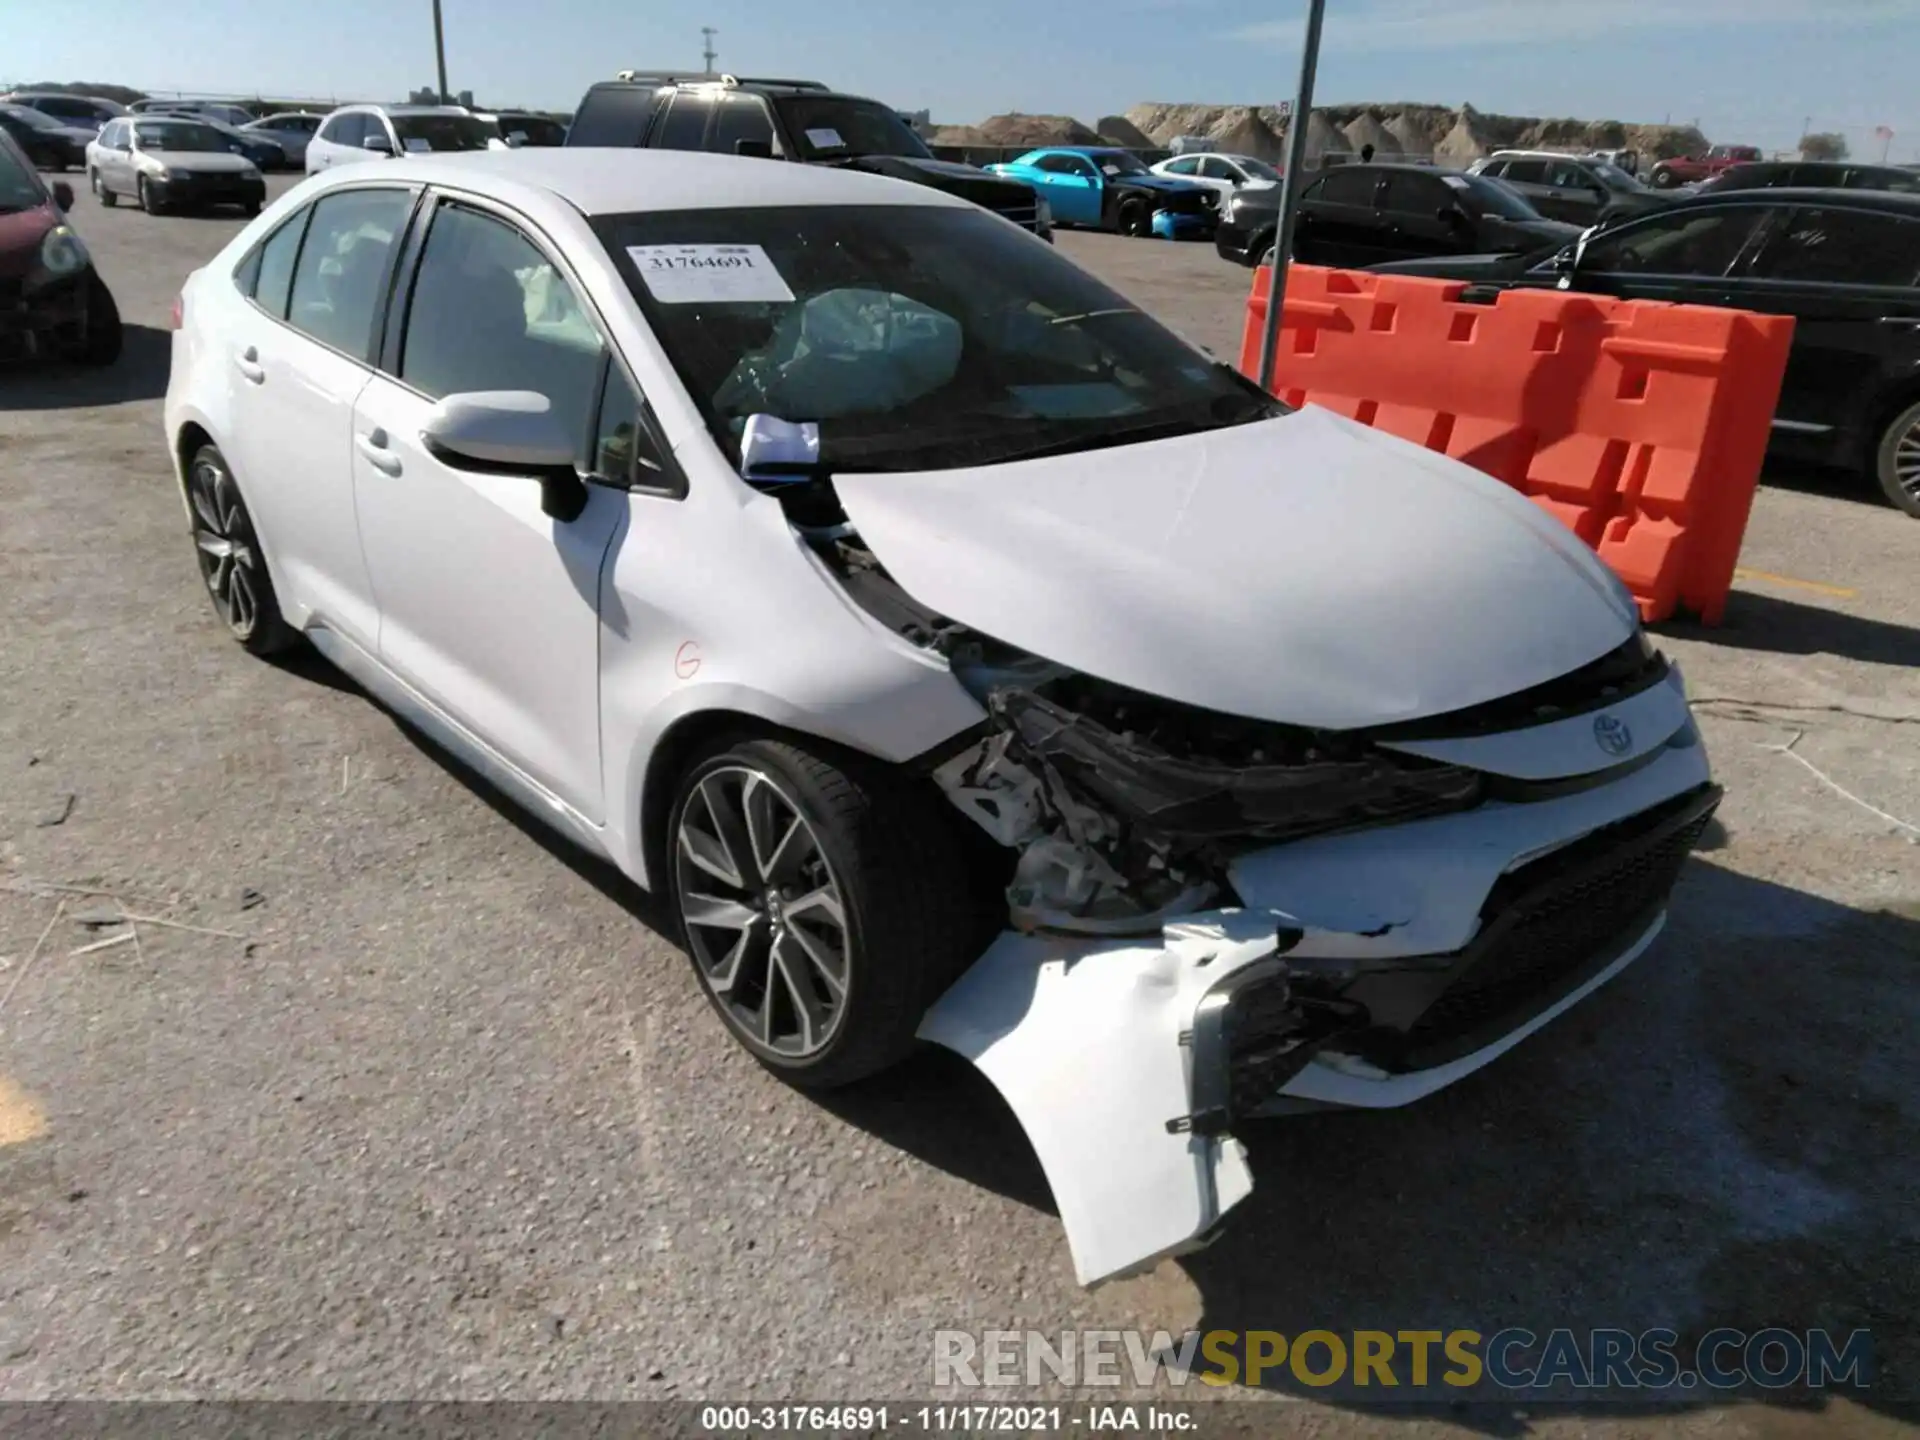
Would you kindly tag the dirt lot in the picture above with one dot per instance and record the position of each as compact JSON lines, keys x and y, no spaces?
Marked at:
{"x":451,"y":1119}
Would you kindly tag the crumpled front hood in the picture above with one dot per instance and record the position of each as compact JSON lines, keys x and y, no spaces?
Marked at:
{"x":1304,"y":570}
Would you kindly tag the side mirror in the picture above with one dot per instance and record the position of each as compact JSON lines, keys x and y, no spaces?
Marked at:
{"x":509,"y":432}
{"x":1451,"y":215}
{"x":63,"y":194}
{"x":776,"y":449}
{"x":757,"y":149}
{"x":379,"y":144}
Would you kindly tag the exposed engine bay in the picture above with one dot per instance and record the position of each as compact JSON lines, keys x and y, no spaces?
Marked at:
{"x":1124,"y":809}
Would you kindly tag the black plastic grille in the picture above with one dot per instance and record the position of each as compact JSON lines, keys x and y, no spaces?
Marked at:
{"x":1555,"y":929}
{"x":1027,"y":217}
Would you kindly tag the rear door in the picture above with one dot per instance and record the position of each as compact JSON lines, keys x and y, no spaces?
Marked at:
{"x":1849,"y":278}
{"x":1574,"y":193}
{"x":1412,"y":206}
{"x":1339,"y":223}
{"x":1529,"y":177}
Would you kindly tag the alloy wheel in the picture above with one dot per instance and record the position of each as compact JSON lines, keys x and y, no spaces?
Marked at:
{"x":763,"y":912}
{"x":225,"y":544}
{"x":1906,"y":459}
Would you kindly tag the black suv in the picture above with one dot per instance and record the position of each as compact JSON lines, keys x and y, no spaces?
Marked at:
{"x":1800,"y":174}
{"x":789,"y":120}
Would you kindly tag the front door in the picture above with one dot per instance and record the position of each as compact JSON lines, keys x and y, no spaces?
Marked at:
{"x":1072,"y":186}
{"x":1338,"y":222}
{"x":489,"y":607}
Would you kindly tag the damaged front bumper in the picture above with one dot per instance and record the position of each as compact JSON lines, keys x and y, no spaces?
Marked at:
{"x":1367,"y":968}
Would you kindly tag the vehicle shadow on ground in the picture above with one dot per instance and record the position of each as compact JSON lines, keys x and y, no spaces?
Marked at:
{"x":1808,"y":477}
{"x":139,"y":374}
{"x":1786,"y":627}
{"x":1719,"y":1138}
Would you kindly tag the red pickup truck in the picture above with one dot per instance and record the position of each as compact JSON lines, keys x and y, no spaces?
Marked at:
{"x":1688,"y":168}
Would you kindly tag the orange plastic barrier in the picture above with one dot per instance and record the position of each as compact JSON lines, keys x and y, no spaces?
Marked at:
{"x":1641,"y":425}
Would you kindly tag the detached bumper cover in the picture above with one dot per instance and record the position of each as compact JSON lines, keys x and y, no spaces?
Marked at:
{"x":1368,"y":968}
{"x":1170,"y":225}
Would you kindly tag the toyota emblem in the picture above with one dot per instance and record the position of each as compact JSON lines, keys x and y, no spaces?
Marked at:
{"x":1612,"y":735}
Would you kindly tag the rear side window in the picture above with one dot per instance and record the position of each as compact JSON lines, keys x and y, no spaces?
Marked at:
{"x":267,"y":273}
{"x":1842,"y":247}
{"x":742,"y":117}
{"x":345,"y":129}
{"x":1526,"y":172}
{"x":684,"y":126}
{"x":1348,"y":187}
{"x":1415,"y":195}
{"x":341,"y":279}
{"x":613,"y":116}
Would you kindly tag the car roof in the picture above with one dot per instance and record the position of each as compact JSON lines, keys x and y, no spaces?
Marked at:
{"x":1893,"y":201}
{"x":375,"y":108}
{"x":599,"y":180}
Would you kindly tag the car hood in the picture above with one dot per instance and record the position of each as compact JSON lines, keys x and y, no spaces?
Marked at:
{"x":967,"y":181}
{"x":205,"y":162}
{"x":1305,"y":570}
{"x":20,"y":236}
{"x":1528,"y":235}
{"x":1462,"y":267}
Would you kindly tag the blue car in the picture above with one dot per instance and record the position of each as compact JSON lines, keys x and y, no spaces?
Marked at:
{"x":1109,"y":189}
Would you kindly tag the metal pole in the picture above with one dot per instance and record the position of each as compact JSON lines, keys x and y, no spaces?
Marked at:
{"x":440,"y":50}
{"x":1291,"y":183}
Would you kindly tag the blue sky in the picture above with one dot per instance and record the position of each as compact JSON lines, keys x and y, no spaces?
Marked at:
{"x":1749,"y":70}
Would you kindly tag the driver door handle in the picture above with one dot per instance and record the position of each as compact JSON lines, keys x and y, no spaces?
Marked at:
{"x":373,"y":445}
{"x":247,"y":362}
{"x":1901,"y":322}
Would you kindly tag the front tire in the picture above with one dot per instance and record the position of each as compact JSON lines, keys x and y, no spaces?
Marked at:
{"x":1664,"y":180}
{"x":100,"y":190}
{"x":824,"y":905}
{"x":104,"y":335}
{"x":145,"y":193}
{"x":1135,"y":218}
{"x":232,"y":565}
{"x":1897,"y":460}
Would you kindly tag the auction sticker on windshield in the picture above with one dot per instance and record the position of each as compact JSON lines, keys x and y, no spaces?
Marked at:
{"x":825,"y":139}
{"x":689,"y":274}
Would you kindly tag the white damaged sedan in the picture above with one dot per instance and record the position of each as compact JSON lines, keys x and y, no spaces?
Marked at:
{"x":966,"y":657}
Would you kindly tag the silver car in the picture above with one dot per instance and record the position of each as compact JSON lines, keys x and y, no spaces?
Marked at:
{"x":291,"y":130}
{"x":168,"y":162}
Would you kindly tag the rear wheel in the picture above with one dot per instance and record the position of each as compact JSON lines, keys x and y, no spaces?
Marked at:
{"x":231,"y":562}
{"x":1664,"y":180}
{"x":1897,"y":461}
{"x":825,"y":906}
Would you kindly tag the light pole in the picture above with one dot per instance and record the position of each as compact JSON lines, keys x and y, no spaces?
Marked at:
{"x":440,"y":50}
{"x":1291,"y":183}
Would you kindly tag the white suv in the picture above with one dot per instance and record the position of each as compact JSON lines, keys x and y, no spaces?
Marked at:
{"x":380,"y":132}
{"x":961,"y":654}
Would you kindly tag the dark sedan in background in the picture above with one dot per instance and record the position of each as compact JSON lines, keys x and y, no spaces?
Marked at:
{"x":1359,"y":215}
{"x":1578,"y":189}
{"x":1844,"y":263}
{"x":1803,"y":174}
{"x":47,"y":142}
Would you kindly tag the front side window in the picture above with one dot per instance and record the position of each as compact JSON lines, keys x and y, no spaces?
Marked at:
{"x":489,"y":312}
{"x":1525,"y":172}
{"x":742,"y":117}
{"x":1700,"y":242}
{"x":340,"y":282}
{"x":1842,"y":247}
{"x":1260,"y":170}
{"x":1482,"y":195}
{"x":914,"y":337}
{"x":20,"y":188}
{"x":833,"y":127}
{"x":684,"y":126}
{"x":179,"y":137}
{"x":1186,"y":165}
{"x":1114,"y":163}
{"x":1410,"y":194}
{"x":423,"y":134}
{"x":1564,"y":176}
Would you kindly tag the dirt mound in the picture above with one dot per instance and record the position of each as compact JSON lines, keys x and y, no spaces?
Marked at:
{"x":1118,"y":130}
{"x":1365,"y":130}
{"x":1239,"y":129}
{"x":1016,"y":129}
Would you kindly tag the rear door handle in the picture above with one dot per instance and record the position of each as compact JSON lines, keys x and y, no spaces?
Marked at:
{"x":247,"y":362}
{"x":373,"y":445}
{"x":1901,"y":322}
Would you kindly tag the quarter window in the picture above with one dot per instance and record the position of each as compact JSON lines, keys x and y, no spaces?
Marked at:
{"x":489,"y":312}
{"x":341,"y":279}
{"x":624,"y":450}
{"x":1526,"y":172}
{"x":267,"y":274}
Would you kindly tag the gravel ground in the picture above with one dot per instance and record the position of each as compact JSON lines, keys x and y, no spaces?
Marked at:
{"x":443,"y":1115}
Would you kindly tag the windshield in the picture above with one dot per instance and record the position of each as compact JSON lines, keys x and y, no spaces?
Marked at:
{"x":27,"y":115}
{"x":19,"y":184}
{"x":1118,"y":162}
{"x":916,"y":337}
{"x":836,"y":128}
{"x":178,"y":135}
{"x":442,"y":132}
{"x":1488,"y":196}
{"x":1260,"y":170}
{"x":533,"y":129}
{"x":1613,"y":177}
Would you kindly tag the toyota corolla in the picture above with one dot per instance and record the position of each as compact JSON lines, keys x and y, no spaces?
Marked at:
{"x":967,"y":658}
